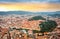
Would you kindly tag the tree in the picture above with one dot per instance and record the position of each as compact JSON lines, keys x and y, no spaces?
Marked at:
{"x":36,"y":31}
{"x":36,"y":18}
{"x":47,"y":26}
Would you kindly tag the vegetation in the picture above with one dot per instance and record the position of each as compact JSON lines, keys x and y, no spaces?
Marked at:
{"x":36,"y":31}
{"x":36,"y":18}
{"x":47,"y":26}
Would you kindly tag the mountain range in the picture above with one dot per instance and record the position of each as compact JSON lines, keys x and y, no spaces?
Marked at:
{"x":57,"y":13}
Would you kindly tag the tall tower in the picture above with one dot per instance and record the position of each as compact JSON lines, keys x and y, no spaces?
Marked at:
{"x":47,"y":18}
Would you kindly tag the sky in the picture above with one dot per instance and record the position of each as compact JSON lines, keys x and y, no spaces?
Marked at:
{"x":30,"y":5}
{"x":54,"y":1}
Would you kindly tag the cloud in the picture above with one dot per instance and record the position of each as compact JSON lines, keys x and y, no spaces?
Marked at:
{"x":53,"y":1}
{"x":42,"y":1}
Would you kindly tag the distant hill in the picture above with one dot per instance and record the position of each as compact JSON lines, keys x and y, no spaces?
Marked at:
{"x":15,"y":12}
{"x":29,"y":13}
{"x":48,"y":13}
{"x":55,"y":15}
